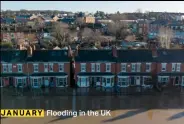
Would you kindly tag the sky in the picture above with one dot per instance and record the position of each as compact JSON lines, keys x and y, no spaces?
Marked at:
{"x":93,"y":6}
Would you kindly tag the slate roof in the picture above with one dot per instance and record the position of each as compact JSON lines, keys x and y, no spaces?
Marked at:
{"x":13,"y":56}
{"x":49,"y":56}
{"x":49,"y":74}
{"x":95,"y":74}
{"x":175,"y":55}
{"x":135,"y":56}
{"x":94,"y":56}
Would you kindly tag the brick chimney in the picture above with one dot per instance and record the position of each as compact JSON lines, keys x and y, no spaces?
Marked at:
{"x":29,"y":51}
{"x":154,"y":51}
{"x":76,"y":50}
{"x":70,"y":53}
{"x":114,"y":52}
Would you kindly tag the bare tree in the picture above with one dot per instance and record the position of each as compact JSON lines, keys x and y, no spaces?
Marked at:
{"x":61,"y":33}
{"x":118,"y":29}
{"x":80,"y":21}
{"x":165,"y":36}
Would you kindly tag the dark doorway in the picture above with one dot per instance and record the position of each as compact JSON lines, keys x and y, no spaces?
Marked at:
{"x":177,"y":81}
{"x":11,"y":81}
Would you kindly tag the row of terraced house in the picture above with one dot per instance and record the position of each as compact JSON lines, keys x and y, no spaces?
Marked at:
{"x":53,"y":68}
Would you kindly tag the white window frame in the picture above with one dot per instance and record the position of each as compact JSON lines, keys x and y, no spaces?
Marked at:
{"x":182,"y":82}
{"x":160,"y":78}
{"x":120,"y":81}
{"x":23,"y":81}
{"x":83,"y":67}
{"x":61,"y":67}
{"x":9,"y":68}
{"x":98,"y":68}
{"x":173,"y":67}
{"x":164,"y":67}
{"x":92,"y":67}
{"x":85,"y":80}
{"x":64,"y":79}
{"x":148,"y":64}
{"x":5,"y":69}
{"x":108,"y":67}
{"x":178,"y":67}
{"x":133,"y":67}
{"x":105,"y":79}
{"x":123,"y":67}
{"x":138,"y":67}
{"x":144,"y":77}
{"x":34,"y":67}
{"x":19,"y":65}
{"x":46,"y":67}
{"x":35,"y":78}
{"x":51,"y":65}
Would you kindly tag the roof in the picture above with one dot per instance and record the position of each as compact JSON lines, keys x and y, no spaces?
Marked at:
{"x":13,"y":56}
{"x":49,"y":56}
{"x":160,"y":22}
{"x":172,"y":55}
{"x":95,"y":74}
{"x":49,"y":74}
{"x":94,"y":56}
{"x":135,"y":56}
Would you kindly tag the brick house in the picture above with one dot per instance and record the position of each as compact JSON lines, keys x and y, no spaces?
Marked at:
{"x":92,"y":68}
{"x":170,"y":67}
{"x":49,"y":68}
{"x":13,"y":68}
{"x":95,"y":67}
{"x":134,"y":70}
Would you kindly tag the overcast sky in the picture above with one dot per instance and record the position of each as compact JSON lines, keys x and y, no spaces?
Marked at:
{"x":93,"y":6}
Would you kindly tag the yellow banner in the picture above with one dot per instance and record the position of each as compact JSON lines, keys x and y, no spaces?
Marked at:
{"x":22,"y":113}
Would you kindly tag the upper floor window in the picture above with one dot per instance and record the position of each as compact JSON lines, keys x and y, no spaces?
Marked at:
{"x":92,"y":67}
{"x":178,"y":67}
{"x":46,"y":67}
{"x":61,"y":67}
{"x":123,"y":67}
{"x":164,"y":66}
{"x":98,"y":67}
{"x":108,"y":67}
{"x":5,"y":68}
{"x":133,"y":67}
{"x":19,"y":67}
{"x":9,"y":67}
{"x":148,"y":67}
{"x":35,"y":67}
{"x":138,"y":67}
{"x":173,"y":66}
{"x":83,"y":67}
{"x":51,"y":67}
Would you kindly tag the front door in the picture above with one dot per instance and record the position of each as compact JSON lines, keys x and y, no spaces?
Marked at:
{"x":138,"y":80}
{"x":1,"y":82}
{"x":182,"y":81}
{"x":93,"y":81}
{"x":83,"y":82}
{"x":46,"y":81}
{"x":10,"y":81}
{"x":108,"y":82}
{"x":177,"y":81}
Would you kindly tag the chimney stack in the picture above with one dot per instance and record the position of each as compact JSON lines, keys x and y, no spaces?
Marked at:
{"x":76,"y":50}
{"x":114,"y":52}
{"x":29,"y":51}
{"x":154,"y":51}
{"x":70,"y":53}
